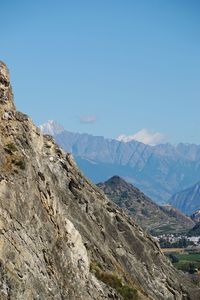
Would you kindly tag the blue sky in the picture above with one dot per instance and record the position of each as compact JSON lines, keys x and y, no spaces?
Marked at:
{"x":106,"y":67}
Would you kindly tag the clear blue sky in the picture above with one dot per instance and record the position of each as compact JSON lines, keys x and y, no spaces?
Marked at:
{"x":123,"y":65}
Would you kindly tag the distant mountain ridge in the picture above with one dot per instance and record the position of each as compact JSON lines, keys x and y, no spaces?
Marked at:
{"x":188,"y":200}
{"x":156,"y":219}
{"x":196,"y":216}
{"x":160,"y":171}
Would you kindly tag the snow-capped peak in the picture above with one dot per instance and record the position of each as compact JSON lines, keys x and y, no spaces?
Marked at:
{"x":51,"y":128}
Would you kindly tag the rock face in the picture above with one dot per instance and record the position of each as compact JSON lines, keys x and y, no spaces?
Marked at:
{"x":60,"y":237}
{"x":156,"y":219}
{"x":188,"y":200}
{"x":195,"y":231}
{"x":159,"y":171}
{"x":196,"y":216}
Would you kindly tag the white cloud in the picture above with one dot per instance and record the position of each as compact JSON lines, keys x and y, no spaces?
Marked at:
{"x":88,"y":119}
{"x":144,"y":136}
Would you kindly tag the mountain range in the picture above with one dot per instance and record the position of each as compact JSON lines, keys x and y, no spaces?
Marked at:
{"x":149,"y":215}
{"x":60,"y":237}
{"x":159,"y":171}
{"x":188,"y":200}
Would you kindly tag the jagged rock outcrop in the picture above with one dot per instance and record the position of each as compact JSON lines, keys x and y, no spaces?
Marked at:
{"x":149,"y":215}
{"x":60,"y":237}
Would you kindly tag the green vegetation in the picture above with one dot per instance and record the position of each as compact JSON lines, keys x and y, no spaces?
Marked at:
{"x":186,"y":262}
{"x":133,"y":210}
{"x":112,"y":280}
{"x":182,"y":243}
{"x":11,"y":148}
{"x":124,"y":195}
{"x":145,"y":212}
{"x":166,"y":228}
{"x":20,"y":163}
{"x":174,"y":259}
{"x":195,"y":231}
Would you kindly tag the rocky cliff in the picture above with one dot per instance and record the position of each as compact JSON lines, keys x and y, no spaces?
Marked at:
{"x":60,"y":237}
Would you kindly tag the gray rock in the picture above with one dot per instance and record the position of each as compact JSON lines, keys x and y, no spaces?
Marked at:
{"x":67,"y":243}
